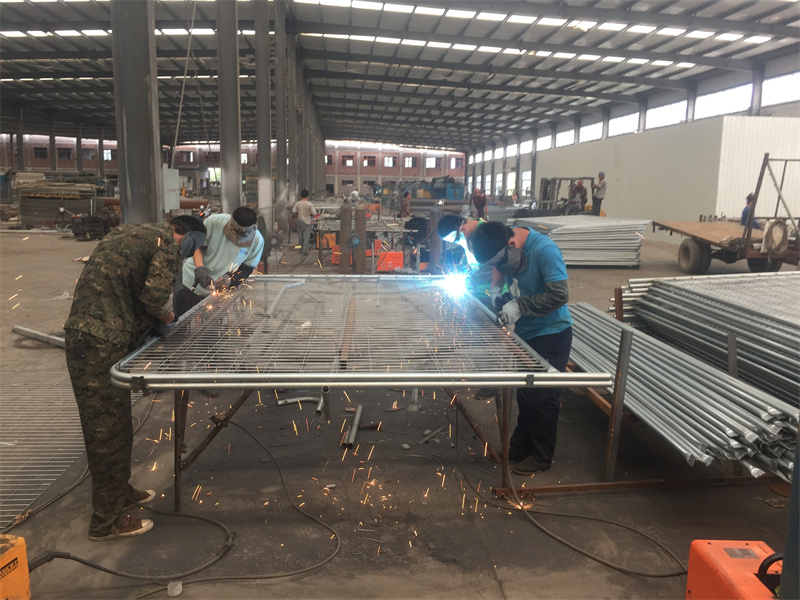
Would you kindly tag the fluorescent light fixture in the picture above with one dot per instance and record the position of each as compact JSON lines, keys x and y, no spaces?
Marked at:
{"x":614,"y":59}
{"x":438,"y":45}
{"x":685,"y":65}
{"x":427,"y":10}
{"x":38,"y":33}
{"x":29,"y":79}
{"x":641,"y":29}
{"x":513,"y":51}
{"x":543,"y":53}
{"x":589,"y":57}
{"x":662,"y":63}
{"x":494,"y":49}
{"x":46,"y":79}
{"x":460,"y":14}
{"x":247,"y":31}
{"x":638,"y":61}
{"x":68,"y":33}
{"x":307,"y":1}
{"x":729,"y":37}
{"x":757,"y":39}
{"x":203,"y":32}
{"x":340,"y":3}
{"x":612,"y":26}
{"x":363,"y":38}
{"x":174,"y":32}
{"x":489,"y":16}
{"x":399,"y":8}
{"x":367,"y":5}
{"x":700,"y":35}
{"x":13,"y":34}
{"x":467,"y":47}
{"x":564,"y":55}
{"x":95,"y":32}
{"x":673,"y":31}
{"x":413,"y":43}
{"x":387,"y":40}
{"x":522,"y":19}
{"x":549,"y":22}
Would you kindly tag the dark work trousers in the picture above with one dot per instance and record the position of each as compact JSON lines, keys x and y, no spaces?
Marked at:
{"x":535,"y":434}
{"x":105,"y":412}
{"x":184,"y":299}
{"x":596,"y":202}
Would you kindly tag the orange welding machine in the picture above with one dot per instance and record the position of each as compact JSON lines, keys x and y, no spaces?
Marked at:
{"x":15,"y":583}
{"x":732,"y":570}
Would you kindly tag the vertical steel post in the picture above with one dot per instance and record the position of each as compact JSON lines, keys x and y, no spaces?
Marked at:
{"x":345,"y":233}
{"x":361,"y":231}
{"x":505,"y":429}
{"x":180,"y":410}
{"x":20,"y":140}
{"x":292,"y":133}
{"x":758,"y":85}
{"x":618,"y":403}
{"x":79,"y":149}
{"x":263,"y":115}
{"x":101,"y":156}
{"x":230,"y":138}
{"x":280,"y":116}
{"x":53,"y":149}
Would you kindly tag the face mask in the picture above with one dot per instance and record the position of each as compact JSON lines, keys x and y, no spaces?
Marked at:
{"x":510,"y":261}
{"x":191,"y":242}
{"x":238,"y":234}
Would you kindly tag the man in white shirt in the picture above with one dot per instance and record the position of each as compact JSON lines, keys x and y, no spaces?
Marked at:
{"x":304,"y":211}
{"x":232,"y":249}
{"x":598,"y":193}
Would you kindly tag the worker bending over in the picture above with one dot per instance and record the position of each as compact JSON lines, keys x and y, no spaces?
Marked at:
{"x":232,"y":249}
{"x":122,"y":293}
{"x":532,"y":266}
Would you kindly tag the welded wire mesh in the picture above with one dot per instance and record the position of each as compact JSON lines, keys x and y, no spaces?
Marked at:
{"x":335,"y":329}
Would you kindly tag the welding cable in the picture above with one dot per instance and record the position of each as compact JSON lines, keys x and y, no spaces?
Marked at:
{"x":529,"y":511}
{"x":302,"y":571}
{"x":49,"y":555}
{"x":28,"y":514}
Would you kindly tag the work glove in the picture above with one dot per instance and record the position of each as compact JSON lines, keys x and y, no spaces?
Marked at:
{"x":223,"y":282}
{"x":510,"y":314}
{"x":495,"y":293}
{"x":202,"y":277}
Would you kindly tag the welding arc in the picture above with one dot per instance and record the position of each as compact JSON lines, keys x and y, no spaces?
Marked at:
{"x":568,"y":544}
{"x":268,"y":575}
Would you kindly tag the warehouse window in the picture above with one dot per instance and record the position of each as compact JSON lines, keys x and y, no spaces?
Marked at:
{"x":410,"y":161}
{"x":471,"y":159}
{"x":329,"y":159}
{"x":511,"y":182}
{"x":526,"y":147}
{"x":457,"y":162}
{"x":87,"y":153}
{"x":777,"y":90}
{"x":40,"y":152}
{"x":433,"y":162}
{"x":110,"y":154}
{"x":479,"y":157}
{"x":565,"y":138}
{"x":591,"y":132}
{"x":669,"y":114}
{"x":348,"y":182}
{"x":370,"y":161}
{"x":624,"y":124}
{"x":478,"y":181}
{"x":186,"y":156}
{"x":499,"y":152}
{"x":65,"y":153}
{"x":389,"y":161}
{"x":469,"y":182}
{"x":723,"y":103}
{"x":511,"y":150}
{"x":526,"y":182}
{"x":498,"y":184}
{"x":212,"y":156}
{"x":487,"y":155}
{"x":544,"y":143}
{"x":348,"y":160}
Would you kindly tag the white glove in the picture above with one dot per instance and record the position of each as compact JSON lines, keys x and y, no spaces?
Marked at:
{"x":495,"y":293}
{"x":510,"y":314}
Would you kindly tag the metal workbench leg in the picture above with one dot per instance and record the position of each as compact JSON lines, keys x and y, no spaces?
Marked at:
{"x":618,"y":402}
{"x":505,"y":428}
{"x":181,"y":408}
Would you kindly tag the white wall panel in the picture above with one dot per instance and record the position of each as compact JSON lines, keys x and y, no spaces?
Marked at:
{"x":744,"y":142}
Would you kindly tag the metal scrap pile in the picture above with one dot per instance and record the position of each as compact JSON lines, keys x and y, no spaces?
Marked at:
{"x":702,"y":411}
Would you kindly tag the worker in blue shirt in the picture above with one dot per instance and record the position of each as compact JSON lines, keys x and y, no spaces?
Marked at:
{"x":532,"y":266}
{"x":746,"y":212}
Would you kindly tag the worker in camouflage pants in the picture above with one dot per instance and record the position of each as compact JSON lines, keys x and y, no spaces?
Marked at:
{"x":123,"y":292}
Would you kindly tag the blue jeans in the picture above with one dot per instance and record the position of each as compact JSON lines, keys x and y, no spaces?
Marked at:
{"x":535,"y":433}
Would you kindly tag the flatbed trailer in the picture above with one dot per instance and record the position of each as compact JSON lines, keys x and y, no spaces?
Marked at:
{"x":764,"y":249}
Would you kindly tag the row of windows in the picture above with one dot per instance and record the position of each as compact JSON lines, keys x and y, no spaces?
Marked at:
{"x":409,"y":162}
{"x":43,"y":152}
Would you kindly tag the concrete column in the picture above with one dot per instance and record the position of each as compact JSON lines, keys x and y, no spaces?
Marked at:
{"x":20,"y":141}
{"x":281,"y":196}
{"x":263,"y":114}
{"x":691,"y":100}
{"x":79,"y":149}
{"x":483,"y":171}
{"x":533,"y":163}
{"x":642,"y":114}
{"x":492,"y":188}
{"x":360,"y":259}
{"x":553,"y":132}
{"x":53,"y":148}
{"x":345,"y":233}
{"x":292,"y":133}
{"x":518,"y":170}
{"x":577,"y":126}
{"x":336,"y":160}
{"x":606,"y":119}
{"x":136,"y":98}
{"x":101,"y":157}
{"x":505,"y":166}
{"x":758,"y":84}
{"x":230,"y":138}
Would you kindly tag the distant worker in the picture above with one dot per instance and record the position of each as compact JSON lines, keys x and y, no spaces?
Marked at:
{"x":304,"y":211}
{"x":478,"y":200}
{"x":598,"y":193}
{"x":582,"y":194}
{"x":746,"y":212}
{"x":231,"y":252}
{"x":405,"y":206}
{"x":121,"y":295}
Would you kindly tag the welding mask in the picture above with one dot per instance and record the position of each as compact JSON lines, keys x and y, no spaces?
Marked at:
{"x":191,"y":241}
{"x":239,"y":234}
{"x":509,"y":261}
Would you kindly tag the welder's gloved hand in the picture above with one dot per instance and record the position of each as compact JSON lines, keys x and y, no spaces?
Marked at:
{"x":495,"y":294}
{"x":161,"y":329}
{"x":510,"y":314}
{"x":202,"y":277}
{"x":223,"y":282}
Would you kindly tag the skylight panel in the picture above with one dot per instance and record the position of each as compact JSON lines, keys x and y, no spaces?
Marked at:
{"x":543,"y":53}
{"x":685,"y":65}
{"x":612,"y":26}
{"x":729,"y":37}
{"x":14,"y":34}
{"x":516,"y":51}
{"x":641,"y":29}
{"x":413,"y":42}
{"x":662,"y":63}
{"x":467,"y":47}
{"x":614,"y":59}
{"x":673,"y":31}
{"x":548,"y":22}
{"x":68,"y":33}
{"x":427,"y":10}
{"x":399,"y":8}
{"x":438,"y":45}
{"x":367,"y":5}
{"x":340,"y":3}
{"x":757,"y":39}
{"x":488,"y":16}
{"x":583,"y":25}
{"x":494,"y":49}
{"x":701,"y":35}
{"x":522,"y":19}
{"x":638,"y":61}
{"x":362,"y":38}
{"x":564,"y":55}
{"x":387,"y":40}
{"x":589,"y":57}
{"x":178,"y":31}
{"x":460,"y":14}
{"x":336,"y":36}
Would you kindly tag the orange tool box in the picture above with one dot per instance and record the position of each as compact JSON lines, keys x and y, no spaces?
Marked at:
{"x":389,"y":261}
{"x":726,"y":570}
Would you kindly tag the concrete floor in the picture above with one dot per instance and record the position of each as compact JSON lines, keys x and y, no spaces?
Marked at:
{"x":417,"y":523}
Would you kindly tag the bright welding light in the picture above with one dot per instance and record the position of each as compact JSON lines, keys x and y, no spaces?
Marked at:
{"x":455,"y":284}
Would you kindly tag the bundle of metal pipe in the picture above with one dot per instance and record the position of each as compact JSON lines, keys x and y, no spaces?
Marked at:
{"x":697,"y":314}
{"x":703,"y":412}
{"x":590,"y":240}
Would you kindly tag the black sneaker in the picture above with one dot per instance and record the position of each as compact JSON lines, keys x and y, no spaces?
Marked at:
{"x":529,"y":466}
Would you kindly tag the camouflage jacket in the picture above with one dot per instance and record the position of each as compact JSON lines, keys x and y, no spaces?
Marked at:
{"x":126,"y":285}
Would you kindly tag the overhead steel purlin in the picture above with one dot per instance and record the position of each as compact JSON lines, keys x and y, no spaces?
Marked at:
{"x":347,"y":334}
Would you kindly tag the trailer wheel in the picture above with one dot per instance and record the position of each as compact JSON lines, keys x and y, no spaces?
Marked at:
{"x":691,"y":256}
{"x":764,"y":265}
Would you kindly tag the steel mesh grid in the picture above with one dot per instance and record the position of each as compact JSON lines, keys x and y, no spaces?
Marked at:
{"x":334,"y":324}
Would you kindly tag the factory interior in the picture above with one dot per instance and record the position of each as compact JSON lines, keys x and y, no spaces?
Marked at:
{"x":338,"y":414}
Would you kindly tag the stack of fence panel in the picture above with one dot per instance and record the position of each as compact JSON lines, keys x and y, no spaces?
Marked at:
{"x":702,"y":411}
{"x":696,"y":314}
{"x":592,"y":241}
